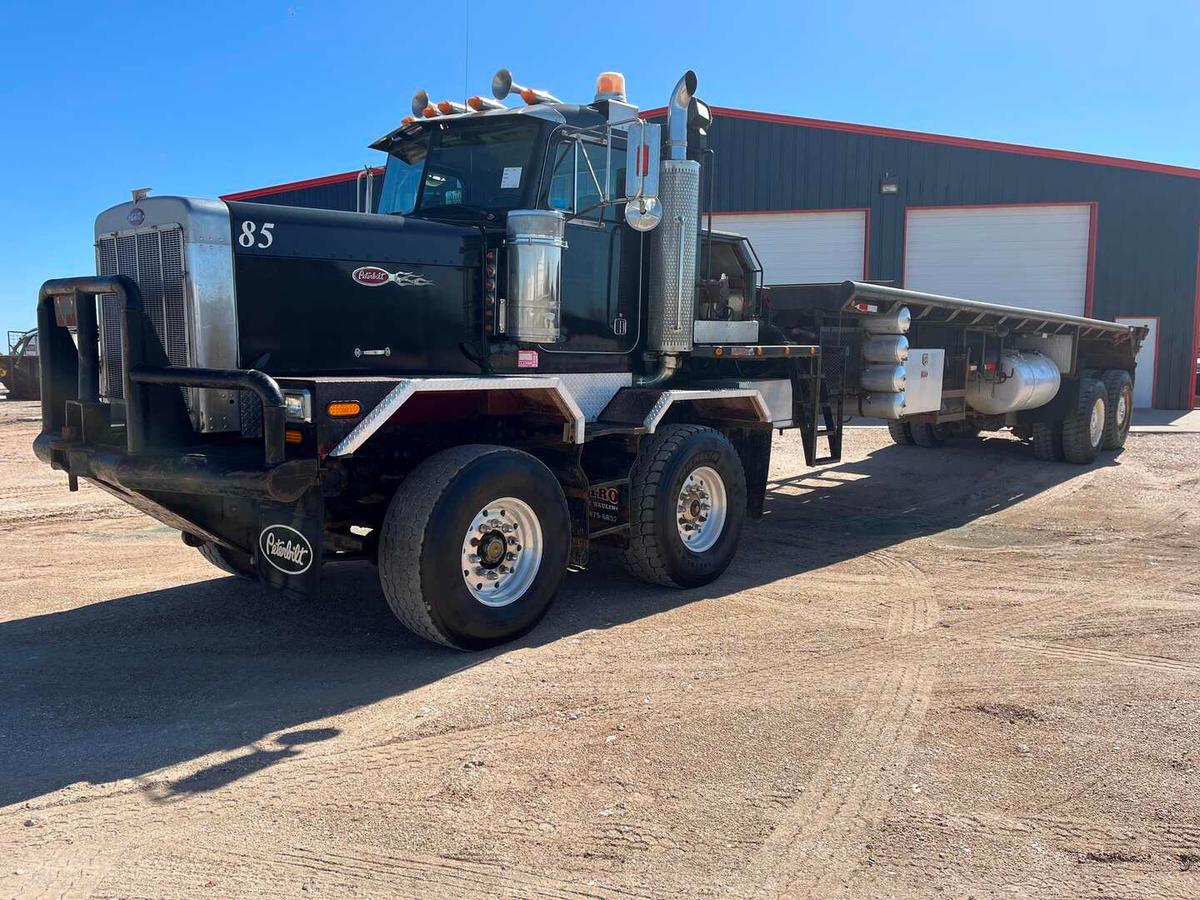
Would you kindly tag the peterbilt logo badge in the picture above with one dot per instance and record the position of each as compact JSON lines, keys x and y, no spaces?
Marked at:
{"x":373,"y":276}
{"x":286,"y":549}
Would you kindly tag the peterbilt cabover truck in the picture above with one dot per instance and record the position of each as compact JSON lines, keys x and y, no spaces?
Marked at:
{"x":534,"y":345}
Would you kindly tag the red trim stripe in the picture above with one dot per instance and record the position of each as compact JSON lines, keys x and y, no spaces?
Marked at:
{"x":1090,"y":289}
{"x":299,"y":185}
{"x":947,"y":140}
{"x":1191,"y":366}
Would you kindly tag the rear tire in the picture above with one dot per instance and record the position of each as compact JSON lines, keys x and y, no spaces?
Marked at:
{"x":228,"y":561}
{"x":1083,"y":428}
{"x":493,"y":515}
{"x":926,"y":435}
{"x":1047,"y":441}
{"x":900,"y":432}
{"x":1118,"y":385}
{"x":687,"y":507}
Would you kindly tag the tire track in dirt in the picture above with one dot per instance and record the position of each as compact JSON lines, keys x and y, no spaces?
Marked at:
{"x":361,"y":873}
{"x":847,"y":795}
{"x":1134,"y":846}
{"x":1110,"y":657}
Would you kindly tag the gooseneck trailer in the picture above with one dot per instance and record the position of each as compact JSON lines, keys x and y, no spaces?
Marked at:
{"x":535,"y":345}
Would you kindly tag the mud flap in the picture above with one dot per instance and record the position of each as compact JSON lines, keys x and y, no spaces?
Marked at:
{"x":287,"y":553}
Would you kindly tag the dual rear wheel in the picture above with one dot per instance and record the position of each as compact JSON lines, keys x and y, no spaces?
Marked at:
{"x":1099,"y":420}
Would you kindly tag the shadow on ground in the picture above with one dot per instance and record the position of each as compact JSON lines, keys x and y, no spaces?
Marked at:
{"x":123,"y":687}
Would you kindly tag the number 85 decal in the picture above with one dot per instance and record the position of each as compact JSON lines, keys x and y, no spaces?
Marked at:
{"x":265,"y":237}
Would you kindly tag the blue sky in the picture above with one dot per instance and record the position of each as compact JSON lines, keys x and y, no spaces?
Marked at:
{"x":208,"y":98}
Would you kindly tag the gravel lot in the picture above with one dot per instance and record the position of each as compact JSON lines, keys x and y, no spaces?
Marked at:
{"x":938,"y":673}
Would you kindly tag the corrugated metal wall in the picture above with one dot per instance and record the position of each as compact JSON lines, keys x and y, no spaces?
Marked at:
{"x":1148,"y":222}
{"x":344,"y":195}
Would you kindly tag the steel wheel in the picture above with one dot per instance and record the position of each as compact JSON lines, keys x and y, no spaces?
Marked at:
{"x":502,"y":551}
{"x":1096,"y":422}
{"x":702,"y":508}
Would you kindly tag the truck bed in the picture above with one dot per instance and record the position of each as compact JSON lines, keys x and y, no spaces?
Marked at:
{"x":856,"y":298}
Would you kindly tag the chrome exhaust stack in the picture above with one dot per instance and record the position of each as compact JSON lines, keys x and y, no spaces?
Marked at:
{"x":674,"y":244}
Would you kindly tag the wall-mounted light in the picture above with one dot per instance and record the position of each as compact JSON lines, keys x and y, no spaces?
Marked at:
{"x":889,"y":184}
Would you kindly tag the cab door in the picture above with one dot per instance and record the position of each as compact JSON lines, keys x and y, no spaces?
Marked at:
{"x":603,"y":257}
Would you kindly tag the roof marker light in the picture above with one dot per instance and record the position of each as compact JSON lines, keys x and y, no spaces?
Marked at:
{"x":451,"y":107}
{"x":479,"y":104}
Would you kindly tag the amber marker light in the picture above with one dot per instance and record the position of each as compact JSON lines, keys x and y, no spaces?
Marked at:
{"x":293,"y":436}
{"x":343,"y":409}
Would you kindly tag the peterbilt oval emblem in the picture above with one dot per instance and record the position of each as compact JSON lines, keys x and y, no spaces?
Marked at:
{"x":286,"y":549}
{"x":136,"y":216}
{"x":374,"y":276}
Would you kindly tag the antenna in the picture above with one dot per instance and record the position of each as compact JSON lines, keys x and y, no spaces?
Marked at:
{"x":466,"y":48}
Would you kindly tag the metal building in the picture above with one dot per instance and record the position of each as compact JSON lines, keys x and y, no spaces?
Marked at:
{"x":826,"y":201}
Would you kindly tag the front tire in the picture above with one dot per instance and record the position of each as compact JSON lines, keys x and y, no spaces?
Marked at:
{"x":474,"y":546}
{"x":687,"y":507}
{"x":228,"y":561}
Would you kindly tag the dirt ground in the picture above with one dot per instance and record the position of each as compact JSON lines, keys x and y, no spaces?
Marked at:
{"x":942,"y":673}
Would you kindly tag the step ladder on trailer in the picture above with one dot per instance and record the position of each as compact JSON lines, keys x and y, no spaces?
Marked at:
{"x":818,"y":403}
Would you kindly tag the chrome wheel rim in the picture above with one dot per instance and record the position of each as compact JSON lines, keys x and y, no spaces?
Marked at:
{"x":1122,"y":411}
{"x":701,"y":509}
{"x":502,"y":551}
{"x":1096,"y":425}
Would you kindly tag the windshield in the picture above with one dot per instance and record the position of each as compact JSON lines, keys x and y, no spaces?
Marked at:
{"x":479,"y":167}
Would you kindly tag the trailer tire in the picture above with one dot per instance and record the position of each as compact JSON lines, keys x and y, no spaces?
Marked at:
{"x":1083,"y":428}
{"x":1118,"y":384}
{"x":480,"y":497}
{"x":228,"y":561}
{"x":1047,"y":441}
{"x":672,"y":481}
{"x":927,"y":435}
{"x":900,"y":432}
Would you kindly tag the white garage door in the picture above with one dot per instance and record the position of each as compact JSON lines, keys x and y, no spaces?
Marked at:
{"x":1147,"y":362}
{"x":1032,"y":256}
{"x":804,"y":247}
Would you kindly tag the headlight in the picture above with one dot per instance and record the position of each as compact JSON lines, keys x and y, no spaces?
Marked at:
{"x":298,"y":406}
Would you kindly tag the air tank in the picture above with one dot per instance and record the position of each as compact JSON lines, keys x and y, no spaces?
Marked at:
{"x":892,"y":348}
{"x":536,"y":240}
{"x":882,"y":405}
{"x":1023,"y":379}
{"x":894,"y":322}
{"x":884,"y":378}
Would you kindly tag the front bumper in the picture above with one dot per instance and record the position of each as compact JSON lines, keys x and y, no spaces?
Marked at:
{"x":218,"y":488}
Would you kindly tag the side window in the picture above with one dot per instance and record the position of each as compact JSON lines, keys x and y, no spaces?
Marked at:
{"x":573,"y":187}
{"x":562,"y":188}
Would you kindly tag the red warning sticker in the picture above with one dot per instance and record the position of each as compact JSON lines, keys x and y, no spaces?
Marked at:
{"x":527,"y":359}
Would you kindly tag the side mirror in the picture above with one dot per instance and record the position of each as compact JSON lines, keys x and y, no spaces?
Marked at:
{"x":643,"y":159}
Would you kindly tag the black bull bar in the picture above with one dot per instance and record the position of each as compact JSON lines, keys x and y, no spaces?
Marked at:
{"x":156,"y":449}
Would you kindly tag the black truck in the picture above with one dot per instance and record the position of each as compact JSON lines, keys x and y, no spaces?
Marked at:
{"x":534,"y":345}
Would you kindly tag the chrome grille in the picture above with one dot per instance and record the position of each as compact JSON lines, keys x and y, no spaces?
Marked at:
{"x":153,"y":259}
